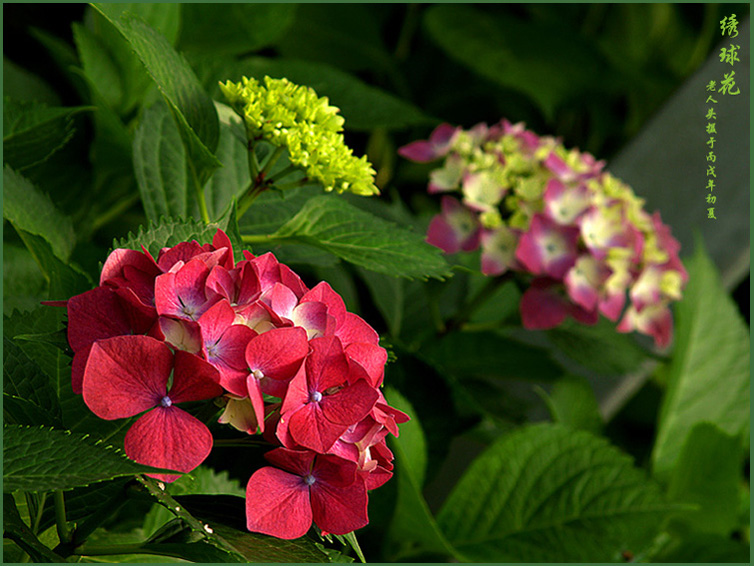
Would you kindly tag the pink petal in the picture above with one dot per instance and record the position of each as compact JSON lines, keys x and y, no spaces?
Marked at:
{"x":370,"y":357}
{"x":311,"y":429}
{"x":327,"y":365}
{"x":313,"y":317}
{"x":120,"y":258}
{"x":277,"y":353}
{"x":257,"y":400}
{"x":221,"y":240}
{"x":168,"y":437}
{"x":181,"y":334}
{"x":420,"y":151}
{"x":356,"y":330}
{"x":323,"y":293}
{"x":277,"y":504}
{"x":339,"y":510}
{"x":542,"y":308}
{"x":282,"y":300}
{"x":193,"y":379}
{"x":126,"y":375}
{"x":240,"y":414}
{"x":350,"y":404}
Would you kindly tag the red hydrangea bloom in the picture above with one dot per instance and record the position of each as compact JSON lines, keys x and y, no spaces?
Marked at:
{"x":127,"y":375}
{"x":289,"y":362}
{"x":304,"y":487}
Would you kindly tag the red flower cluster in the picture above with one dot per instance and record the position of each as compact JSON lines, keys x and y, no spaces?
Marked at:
{"x":291,"y":362}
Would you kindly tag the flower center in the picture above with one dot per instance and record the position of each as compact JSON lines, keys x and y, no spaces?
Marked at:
{"x":309,"y":480}
{"x":315,"y":397}
{"x":257,"y":373}
{"x":166,"y":402}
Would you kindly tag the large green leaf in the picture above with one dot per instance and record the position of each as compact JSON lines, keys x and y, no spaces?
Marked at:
{"x":32,"y":131}
{"x":42,"y":459}
{"x":99,"y":68}
{"x":489,"y":354}
{"x":29,"y":397}
{"x":168,"y":232}
{"x":709,"y":475}
{"x":599,"y":348}
{"x":29,"y":209}
{"x":571,"y":402}
{"x":20,"y":84}
{"x":333,"y":225}
{"x":233,"y":28}
{"x":23,"y":282}
{"x":160,"y":165}
{"x":542,"y":60}
{"x":413,"y":530}
{"x":547,"y":493}
{"x":192,"y":108}
{"x":272,"y":209}
{"x":708,"y":377}
{"x":364,"y":107}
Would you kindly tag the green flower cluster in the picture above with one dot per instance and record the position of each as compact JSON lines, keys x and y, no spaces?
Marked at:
{"x":293,"y":117}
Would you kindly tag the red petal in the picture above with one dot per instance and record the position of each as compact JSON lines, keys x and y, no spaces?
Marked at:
{"x":356,"y":329}
{"x":298,"y":462}
{"x":277,"y":504}
{"x":327,"y":365}
{"x":542,"y":308}
{"x":350,"y":404}
{"x":168,"y":437}
{"x":257,"y":400}
{"x":278,"y":353}
{"x":95,"y":315}
{"x":370,"y":357}
{"x":339,"y":510}
{"x":120,"y":258}
{"x":193,"y":379}
{"x":323,"y":293}
{"x":126,"y":375}
{"x":309,"y":428}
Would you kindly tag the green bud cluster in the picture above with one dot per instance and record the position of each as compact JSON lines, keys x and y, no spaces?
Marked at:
{"x":293,"y":117}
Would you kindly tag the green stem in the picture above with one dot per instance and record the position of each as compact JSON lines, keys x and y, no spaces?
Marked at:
{"x":292,"y":185}
{"x":282,"y":173}
{"x":249,"y":197}
{"x":252,"y":161}
{"x":270,"y":162}
{"x":410,"y":23}
{"x":40,"y":511}
{"x":202,"y":203}
{"x":64,"y":534}
{"x":257,"y":238}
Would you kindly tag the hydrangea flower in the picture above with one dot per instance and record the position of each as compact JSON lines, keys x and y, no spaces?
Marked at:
{"x":538,"y":209}
{"x":293,"y":117}
{"x":286,"y":361}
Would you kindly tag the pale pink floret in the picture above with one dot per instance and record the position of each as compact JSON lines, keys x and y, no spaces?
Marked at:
{"x":588,"y":167}
{"x":548,"y":248}
{"x":449,"y":176}
{"x":456,"y":228}
{"x":655,"y":320}
{"x":566,"y":203}
{"x":585,"y":280}
{"x":438,"y":145}
{"x":606,"y":228}
{"x":498,"y":250}
{"x":481,"y":191}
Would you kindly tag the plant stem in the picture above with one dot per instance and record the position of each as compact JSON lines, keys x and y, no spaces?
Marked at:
{"x":282,"y":173}
{"x":249,"y":197}
{"x":270,"y":162}
{"x":64,"y":534}
{"x":40,"y":511}
{"x":252,"y":161}
{"x":202,"y":203}
{"x":257,"y":238}
{"x":292,"y":185}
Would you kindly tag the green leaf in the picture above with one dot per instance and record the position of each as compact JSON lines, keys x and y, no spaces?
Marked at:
{"x":232,"y":179}
{"x":333,"y":225}
{"x":100,"y":69}
{"x":489,"y":354}
{"x":32,"y":132}
{"x":272,"y":209}
{"x":23,"y":282}
{"x":708,"y":474}
{"x":543,"y":60}
{"x":413,"y":530}
{"x":599,"y":348}
{"x":233,"y":29}
{"x":389,"y":296}
{"x":708,"y":376}
{"x":168,"y":232}
{"x":705,"y":549}
{"x":160,"y":165}
{"x":20,"y":84}
{"x":29,"y":209}
{"x":15,"y":529}
{"x":364,"y":107}
{"x":43,"y":459}
{"x":29,"y":397}
{"x":547,"y":493}
{"x":192,"y":108}
{"x":572,"y":403}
